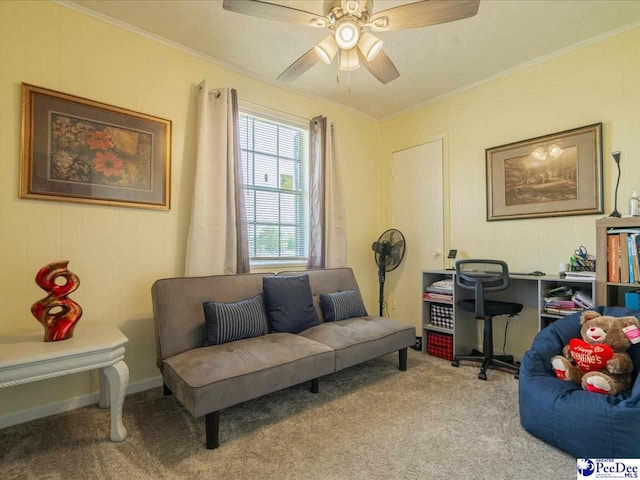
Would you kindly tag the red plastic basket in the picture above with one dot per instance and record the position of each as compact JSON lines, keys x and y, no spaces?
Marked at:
{"x":440,"y":345}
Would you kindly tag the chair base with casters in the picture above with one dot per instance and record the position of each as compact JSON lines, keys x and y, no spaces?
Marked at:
{"x":491,"y":281}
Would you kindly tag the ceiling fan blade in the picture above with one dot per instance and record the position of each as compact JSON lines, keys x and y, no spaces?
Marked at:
{"x":422,"y":14}
{"x":271,"y":11}
{"x":380,"y":67}
{"x":301,"y":65}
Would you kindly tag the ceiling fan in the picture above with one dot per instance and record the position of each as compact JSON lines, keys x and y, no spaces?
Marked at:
{"x":349,"y":22}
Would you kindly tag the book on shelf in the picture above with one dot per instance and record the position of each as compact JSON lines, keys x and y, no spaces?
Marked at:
{"x":444,"y":291}
{"x":582,"y":299}
{"x":631,"y":245}
{"x":624,"y":257}
{"x":559,"y":293}
{"x":635,"y":238}
{"x":623,"y":230}
{"x":445,"y":285}
{"x":565,"y":300}
{"x":559,"y":303}
{"x":580,"y":275}
{"x":561,"y":311}
{"x":437,"y":297}
{"x":613,"y":258}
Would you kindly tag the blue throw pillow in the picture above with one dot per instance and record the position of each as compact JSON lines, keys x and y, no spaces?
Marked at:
{"x":342,"y":305}
{"x":226,"y":322}
{"x":289,"y":303}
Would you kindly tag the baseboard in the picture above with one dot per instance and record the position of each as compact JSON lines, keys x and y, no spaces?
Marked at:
{"x":29,"y":414}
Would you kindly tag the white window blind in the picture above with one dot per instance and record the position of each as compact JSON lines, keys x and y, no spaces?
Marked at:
{"x":273,"y":170}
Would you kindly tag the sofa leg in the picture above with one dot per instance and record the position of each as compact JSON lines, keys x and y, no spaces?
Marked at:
{"x":402,"y":357}
{"x":165,"y":390}
{"x":314,"y":385}
{"x":212,"y":428}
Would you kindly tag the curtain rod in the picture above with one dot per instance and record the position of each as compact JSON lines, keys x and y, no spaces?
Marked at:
{"x":274,"y":110}
{"x":215,"y":92}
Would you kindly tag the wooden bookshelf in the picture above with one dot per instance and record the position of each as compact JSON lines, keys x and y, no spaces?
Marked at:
{"x":609,"y":293}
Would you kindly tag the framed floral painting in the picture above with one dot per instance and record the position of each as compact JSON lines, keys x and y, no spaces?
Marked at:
{"x":79,"y":150}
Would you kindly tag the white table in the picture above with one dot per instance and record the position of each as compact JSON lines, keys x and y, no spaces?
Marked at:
{"x":27,"y":358}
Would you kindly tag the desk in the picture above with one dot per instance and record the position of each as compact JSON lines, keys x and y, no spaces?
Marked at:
{"x":525,"y":289}
{"x":27,"y":358}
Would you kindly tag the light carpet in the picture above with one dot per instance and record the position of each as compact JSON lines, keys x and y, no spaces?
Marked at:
{"x":368,"y":422}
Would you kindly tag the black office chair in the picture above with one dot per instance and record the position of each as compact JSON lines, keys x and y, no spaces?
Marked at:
{"x":486,"y":276}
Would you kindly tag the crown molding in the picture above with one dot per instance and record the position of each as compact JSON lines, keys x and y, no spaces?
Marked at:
{"x":517,"y":68}
{"x":229,"y":66}
{"x":203,"y":56}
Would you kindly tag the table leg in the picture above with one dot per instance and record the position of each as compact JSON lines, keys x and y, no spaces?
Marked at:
{"x":118,"y":376}
{"x":104,"y":389}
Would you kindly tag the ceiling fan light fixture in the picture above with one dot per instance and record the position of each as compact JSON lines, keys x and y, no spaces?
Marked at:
{"x":350,"y":6}
{"x":370,"y":46}
{"x":349,"y":60}
{"x":318,"y":22}
{"x":347,"y":34}
{"x":327,"y":49}
{"x":382,"y":22}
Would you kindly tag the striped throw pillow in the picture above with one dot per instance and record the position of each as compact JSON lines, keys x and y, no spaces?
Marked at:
{"x":226,"y":322}
{"x":342,"y":305}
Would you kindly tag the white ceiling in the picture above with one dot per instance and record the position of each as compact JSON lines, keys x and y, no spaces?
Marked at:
{"x":432,"y":61}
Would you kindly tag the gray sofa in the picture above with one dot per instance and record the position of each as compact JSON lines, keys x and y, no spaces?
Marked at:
{"x":207,"y":379}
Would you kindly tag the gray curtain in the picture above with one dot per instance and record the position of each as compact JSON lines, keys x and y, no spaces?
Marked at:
{"x":327,"y":233}
{"x":217,"y":241}
{"x":242,"y":238}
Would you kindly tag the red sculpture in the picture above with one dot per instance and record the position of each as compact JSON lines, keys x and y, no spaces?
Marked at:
{"x":57,"y":313}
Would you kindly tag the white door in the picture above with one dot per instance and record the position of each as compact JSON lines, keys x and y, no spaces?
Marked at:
{"x":417,"y":211}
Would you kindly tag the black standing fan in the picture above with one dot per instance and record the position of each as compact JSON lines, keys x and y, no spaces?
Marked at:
{"x":388,"y":251}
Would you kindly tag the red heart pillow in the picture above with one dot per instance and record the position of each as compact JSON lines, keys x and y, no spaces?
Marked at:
{"x":590,"y":358}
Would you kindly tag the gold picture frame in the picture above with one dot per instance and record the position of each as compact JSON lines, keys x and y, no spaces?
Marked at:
{"x":559,"y":174}
{"x":78,"y":150}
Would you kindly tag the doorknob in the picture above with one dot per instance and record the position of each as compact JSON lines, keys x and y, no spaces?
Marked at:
{"x":436,"y":253}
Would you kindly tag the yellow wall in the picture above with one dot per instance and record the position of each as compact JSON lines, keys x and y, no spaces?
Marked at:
{"x":119,"y":252}
{"x":597,"y":83}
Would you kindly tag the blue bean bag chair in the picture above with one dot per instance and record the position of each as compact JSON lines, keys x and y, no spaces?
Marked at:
{"x":584,"y":424}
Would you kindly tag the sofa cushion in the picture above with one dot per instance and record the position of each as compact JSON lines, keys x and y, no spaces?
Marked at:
{"x":357,"y":340}
{"x":342,"y":305}
{"x":226,"y":322}
{"x":327,"y":281}
{"x":210,"y":378}
{"x":289,"y":303}
{"x":177,"y":307}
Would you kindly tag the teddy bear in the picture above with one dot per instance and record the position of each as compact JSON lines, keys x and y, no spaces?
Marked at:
{"x":599,"y":361}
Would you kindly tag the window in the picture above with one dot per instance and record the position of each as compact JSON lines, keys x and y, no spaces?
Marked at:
{"x":274,"y":170}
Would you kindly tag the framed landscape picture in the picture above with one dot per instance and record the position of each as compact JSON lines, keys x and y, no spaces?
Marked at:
{"x":79,"y":150}
{"x":550,"y":176}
